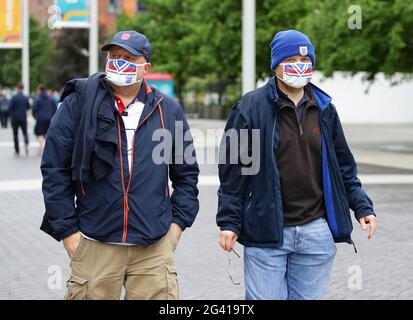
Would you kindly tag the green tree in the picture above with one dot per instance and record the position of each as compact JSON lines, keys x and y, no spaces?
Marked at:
{"x":192,"y":39}
{"x":41,"y":51}
{"x":169,"y":26}
{"x":218,"y":30}
{"x":71,"y":55}
{"x":383,"y":44}
{"x":201,"y":39}
{"x":273,"y":16}
{"x":70,"y":59}
{"x":10,"y":67}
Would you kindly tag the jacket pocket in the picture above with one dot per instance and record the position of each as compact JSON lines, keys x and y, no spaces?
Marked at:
{"x":76,"y":288}
{"x":165,"y":196}
{"x":260,"y":223}
{"x":340,"y":202}
{"x":103,"y":124}
{"x":78,"y":253}
{"x":174,"y":239}
{"x":172,"y":288}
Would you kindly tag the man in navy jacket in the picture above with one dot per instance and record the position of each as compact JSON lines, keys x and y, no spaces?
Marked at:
{"x":291,"y":209}
{"x":19,"y":104}
{"x":106,"y":194}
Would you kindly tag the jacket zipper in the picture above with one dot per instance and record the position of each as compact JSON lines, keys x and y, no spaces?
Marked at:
{"x":281,"y":225}
{"x":126,"y":189}
{"x":300,"y":127}
{"x":82,"y":189}
{"x":150,"y":113}
{"x":323,"y":137}
{"x":298,"y":121}
{"x":250,"y":201}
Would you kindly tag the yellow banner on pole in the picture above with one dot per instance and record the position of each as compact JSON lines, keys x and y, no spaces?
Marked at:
{"x":10,"y":24}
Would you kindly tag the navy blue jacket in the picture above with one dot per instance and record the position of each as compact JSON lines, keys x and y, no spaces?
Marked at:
{"x":100,"y":208}
{"x":19,"y":104}
{"x":251,"y":205}
{"x":44,"y":107}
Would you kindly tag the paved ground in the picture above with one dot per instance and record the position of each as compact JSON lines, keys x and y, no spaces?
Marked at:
{"x":30,"y":261}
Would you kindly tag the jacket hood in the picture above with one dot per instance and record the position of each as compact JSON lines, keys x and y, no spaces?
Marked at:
{"x":76,"y":85}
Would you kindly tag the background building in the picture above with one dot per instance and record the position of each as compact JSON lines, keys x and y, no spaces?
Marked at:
{"x":108,"y":11}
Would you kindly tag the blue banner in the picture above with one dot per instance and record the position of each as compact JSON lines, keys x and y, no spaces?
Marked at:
{"x":73,"y":13}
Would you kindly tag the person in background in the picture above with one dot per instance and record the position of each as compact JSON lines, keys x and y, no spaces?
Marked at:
{"x":56,"y":96}
{"x":19,"y":104}
{"x":4,"y":109}
{"x":44,"y":108}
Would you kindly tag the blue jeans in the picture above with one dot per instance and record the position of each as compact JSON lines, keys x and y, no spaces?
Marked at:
{"x":299,"y":270}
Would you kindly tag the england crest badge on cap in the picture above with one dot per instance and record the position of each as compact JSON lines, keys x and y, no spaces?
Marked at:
{"x":125,"y":36}
{"x":304,"y":51}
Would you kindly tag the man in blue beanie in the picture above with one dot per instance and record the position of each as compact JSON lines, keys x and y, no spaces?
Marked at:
{"x":291,"y":212}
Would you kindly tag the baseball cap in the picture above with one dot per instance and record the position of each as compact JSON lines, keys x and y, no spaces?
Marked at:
{"x":132,"y":41}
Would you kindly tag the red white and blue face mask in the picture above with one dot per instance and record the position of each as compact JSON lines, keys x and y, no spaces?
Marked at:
{"x":122,"y":73}
{"x":297,"y":74}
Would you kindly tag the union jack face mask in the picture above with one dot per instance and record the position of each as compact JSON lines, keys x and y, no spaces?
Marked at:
{"x":297,"y":74}
{"x":122,"y":73}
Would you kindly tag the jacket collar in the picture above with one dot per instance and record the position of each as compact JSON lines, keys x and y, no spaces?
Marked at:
{"x":153,"y":96}
{"x":323,"y":99}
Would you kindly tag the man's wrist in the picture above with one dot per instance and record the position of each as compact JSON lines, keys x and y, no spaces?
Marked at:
{"x":69,"y":232}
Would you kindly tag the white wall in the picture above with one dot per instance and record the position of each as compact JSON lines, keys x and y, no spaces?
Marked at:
{"x":382,"y":103}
